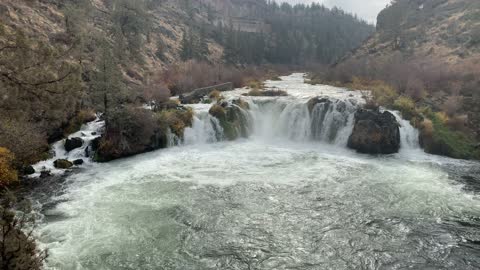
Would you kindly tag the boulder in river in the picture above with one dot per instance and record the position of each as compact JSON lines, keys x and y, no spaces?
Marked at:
{"x":78,"y":162}
{"x":62,"y":164}
{"x":375,"y":133}
{"x":28,"y":170}
{"x":73,"y":143}
{"x":45,"y":173}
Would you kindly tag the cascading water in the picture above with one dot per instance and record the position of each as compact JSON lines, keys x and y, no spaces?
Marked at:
{"x":330,"y":121}
{"x":291,"y":197}
{"x":88,"y":132}
{"x":409,"y":135}
{"x":205,"y":129}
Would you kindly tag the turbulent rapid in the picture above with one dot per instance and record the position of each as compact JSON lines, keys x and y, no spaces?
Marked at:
{"x":291,"y":196}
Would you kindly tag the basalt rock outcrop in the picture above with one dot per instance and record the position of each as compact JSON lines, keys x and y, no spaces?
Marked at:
{"x":232,"y":118}
{"x":131,"y":131}
{"x":375,"y":133}
{"x":73,"y":143}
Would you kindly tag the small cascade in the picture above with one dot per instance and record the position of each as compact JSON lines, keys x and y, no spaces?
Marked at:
{"x":87,"y":133}
{"x":332,"y":121}
{"x":172,"y":139}
{"x":205,"y":129}
{"x":409,"y":135}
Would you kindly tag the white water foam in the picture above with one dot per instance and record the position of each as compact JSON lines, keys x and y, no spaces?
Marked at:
{"x":88,"y":132}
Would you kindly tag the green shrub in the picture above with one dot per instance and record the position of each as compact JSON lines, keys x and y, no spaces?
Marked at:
{"x":255,"y":84}
{"x":177,"y":120}
{"x":406,"y":106}
{"x":215,"y":95}
{"x":439,"y":139}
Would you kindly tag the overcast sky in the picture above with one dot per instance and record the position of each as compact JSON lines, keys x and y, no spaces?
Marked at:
{"x":367,"y":9}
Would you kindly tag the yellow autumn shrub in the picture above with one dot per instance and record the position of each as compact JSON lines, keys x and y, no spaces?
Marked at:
{"x":215,"y":95}
{"x":8,"y":174}
{"x":443,"y":117}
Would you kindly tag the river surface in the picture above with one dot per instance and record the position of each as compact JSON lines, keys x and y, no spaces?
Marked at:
{"x":273,"y":201}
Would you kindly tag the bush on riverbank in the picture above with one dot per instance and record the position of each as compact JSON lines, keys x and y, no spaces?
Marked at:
{"x":132,"y":130}
{"x":255,"y":85}
{"x":406,"y":106}
{"x":18,"y":250}
{"x":438,"y":138}
{"x":128,"y":131}
{"x":215,"y":95}
{"x":82,"y":117}
{"x":8,"y":174}
{"x":176,"y":120}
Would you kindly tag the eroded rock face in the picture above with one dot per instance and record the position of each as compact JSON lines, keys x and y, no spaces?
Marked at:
{"x":375,"y":133}
{"x":73,"y":143}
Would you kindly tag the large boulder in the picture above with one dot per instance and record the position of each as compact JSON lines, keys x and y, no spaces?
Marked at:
{"x":375,"y":133}
{"x":73,"y":143}
{"x":62,"y":164}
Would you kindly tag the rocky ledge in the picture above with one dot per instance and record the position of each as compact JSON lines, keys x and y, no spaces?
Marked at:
{"x":375,"y":133}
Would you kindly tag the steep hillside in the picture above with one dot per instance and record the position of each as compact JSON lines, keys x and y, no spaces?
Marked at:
{"x":442,"y":29}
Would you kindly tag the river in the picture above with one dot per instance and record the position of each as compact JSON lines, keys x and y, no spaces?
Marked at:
{"x":291,"y":196}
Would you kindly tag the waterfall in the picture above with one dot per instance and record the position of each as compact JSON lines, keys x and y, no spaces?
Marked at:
{"x":330,"y":121}
{"x":409,"y":135}
{"x":205,"y":129}
{"x":276,"y":118}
